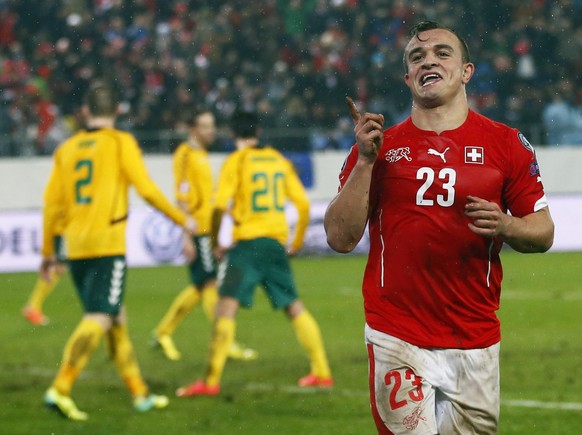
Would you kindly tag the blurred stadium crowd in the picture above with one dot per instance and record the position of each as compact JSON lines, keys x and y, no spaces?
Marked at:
{"x":292,"y":60}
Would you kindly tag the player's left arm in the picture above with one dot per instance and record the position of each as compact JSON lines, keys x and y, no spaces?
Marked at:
{"x":135,"y":170}
{"x":183,"y":192}
{"x":533,"y":232}
{"x":529,"y":227}
{"x":225,"y":191}
{"x":216,"y":222}
{"x":298,"y":196}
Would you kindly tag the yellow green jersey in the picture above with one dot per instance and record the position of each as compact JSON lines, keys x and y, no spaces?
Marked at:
{"x":88,"y":192}
{"x":258,"y":182}
{"x":194,"y":184}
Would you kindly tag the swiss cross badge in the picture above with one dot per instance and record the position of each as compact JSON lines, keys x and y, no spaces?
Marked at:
{"x":474,"y":155}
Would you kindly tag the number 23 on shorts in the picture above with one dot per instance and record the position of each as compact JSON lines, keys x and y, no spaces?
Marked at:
{"x":407,"y":381}
{"x":404,"y":407}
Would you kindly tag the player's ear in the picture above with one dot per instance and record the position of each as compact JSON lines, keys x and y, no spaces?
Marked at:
{"x":468,"y":71}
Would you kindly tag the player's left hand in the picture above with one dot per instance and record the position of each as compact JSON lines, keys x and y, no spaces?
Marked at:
{"x":488,"y":220}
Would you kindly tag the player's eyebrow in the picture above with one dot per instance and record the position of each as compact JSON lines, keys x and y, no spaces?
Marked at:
{"x":435,"y":48}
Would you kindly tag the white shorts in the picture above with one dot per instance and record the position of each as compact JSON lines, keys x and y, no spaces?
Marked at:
{"x":428,"y":391}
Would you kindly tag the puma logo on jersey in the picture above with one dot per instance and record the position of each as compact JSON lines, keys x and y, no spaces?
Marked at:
{"x":436,"y":153}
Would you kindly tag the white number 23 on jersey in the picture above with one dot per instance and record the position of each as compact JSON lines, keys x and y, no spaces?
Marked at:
{"x":444,"y":199}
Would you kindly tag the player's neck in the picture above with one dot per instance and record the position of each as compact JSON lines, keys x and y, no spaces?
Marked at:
{"x":195,"y":143}
{"x":246,"y":143}
{"x":440,"y":118}
{"x":100,"y":122}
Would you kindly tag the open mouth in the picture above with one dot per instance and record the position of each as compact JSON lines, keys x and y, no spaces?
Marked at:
{"x":429,"y":79}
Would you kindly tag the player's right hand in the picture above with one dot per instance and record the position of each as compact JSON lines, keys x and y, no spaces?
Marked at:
{"x":369,"y":131}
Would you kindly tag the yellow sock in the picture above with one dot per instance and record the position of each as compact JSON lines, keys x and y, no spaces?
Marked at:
{"x":125,"y":360}
{"x":222,"y":338}
{"x":309,"y":337}
{"x":182,"y":305}
{"x":41,"y":291}
{"x":78,"y":349}
{"x":209,"y":301}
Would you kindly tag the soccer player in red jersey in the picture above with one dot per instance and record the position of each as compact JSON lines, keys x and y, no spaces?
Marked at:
{"x":441,"y":192}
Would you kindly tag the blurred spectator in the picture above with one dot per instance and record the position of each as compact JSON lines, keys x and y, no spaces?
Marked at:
{"x":562,"y":119}
{"x":343,"y":135}
{"x":293,"y":61}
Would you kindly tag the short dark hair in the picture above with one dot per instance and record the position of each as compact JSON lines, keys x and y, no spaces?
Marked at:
{"x":425,"y":25}
{"x":245,"y":124}
{"x":190,"y":114}
{"x":102,"y":100}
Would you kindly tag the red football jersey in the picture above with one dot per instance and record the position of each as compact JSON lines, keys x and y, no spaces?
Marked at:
{"x":429,"y":279}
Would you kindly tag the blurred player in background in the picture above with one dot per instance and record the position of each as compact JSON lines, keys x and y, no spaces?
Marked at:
{"x":33,"y":309}
{"x":435,"y":191}
{"x":194,"y":187}
{"x":256,"y":182}
{"x":88,"y":191}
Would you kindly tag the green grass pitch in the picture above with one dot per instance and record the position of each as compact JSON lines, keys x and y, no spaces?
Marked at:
{"x":541,"y":357}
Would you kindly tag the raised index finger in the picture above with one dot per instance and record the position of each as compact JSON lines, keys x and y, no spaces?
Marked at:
{"x":353,"y":109}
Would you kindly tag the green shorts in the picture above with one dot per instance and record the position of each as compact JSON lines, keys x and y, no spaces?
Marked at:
{"x":258,"y":261}
{"x":100,"y":283}
{"x":203,"y":268}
